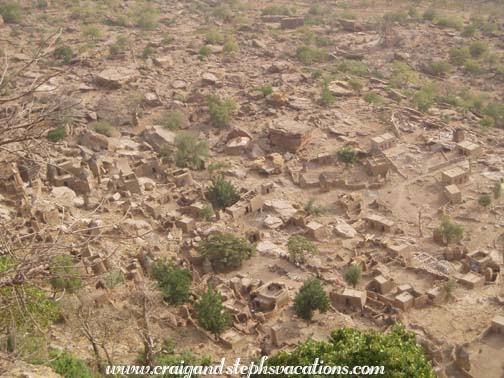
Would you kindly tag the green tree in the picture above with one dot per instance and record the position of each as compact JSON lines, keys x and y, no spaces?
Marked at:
{"x":310,"y":297}
{"x":347,"y":155}
{"x":353,"y":274}
{"x":225,"y":251}
{"x":190,"y":151}
{"x":210,"y":313}
{"x":69,"y":366}
{"x":174,"y":282}
{"x":220,"y":110}
{"x":65,"y":274}
{"x":298,"y":247}
{"x":485,"y":200}
{"x":222,"y":193}
{"x":452,"y":232}
{"x":395,"y":350}
{"x":497,"y":190}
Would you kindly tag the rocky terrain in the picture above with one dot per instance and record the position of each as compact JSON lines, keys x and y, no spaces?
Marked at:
{"x":151,"y":149}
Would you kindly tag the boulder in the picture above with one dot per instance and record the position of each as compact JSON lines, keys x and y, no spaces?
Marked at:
{"x":163,"y":61}
{"x":345,"y":230}
{"x":209,"y":78}
{"x":159,"y":138}
{"x":291,"y":22}
{"x":339,"y":89}
{"x":289,"y":135}
{"x":116,"y":77}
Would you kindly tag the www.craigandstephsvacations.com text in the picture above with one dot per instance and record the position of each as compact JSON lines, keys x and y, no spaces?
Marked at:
{"x":245,"y":370}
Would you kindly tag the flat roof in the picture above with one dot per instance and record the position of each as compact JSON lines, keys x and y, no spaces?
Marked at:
{"x":452,"y":189}
{"x":379,"y":218}
{"x":454,"y":172}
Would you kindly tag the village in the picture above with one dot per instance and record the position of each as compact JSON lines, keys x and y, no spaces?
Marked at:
{"x":409,"y":199}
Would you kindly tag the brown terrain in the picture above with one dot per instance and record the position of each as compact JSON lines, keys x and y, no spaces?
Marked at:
{"x":104,"y":90}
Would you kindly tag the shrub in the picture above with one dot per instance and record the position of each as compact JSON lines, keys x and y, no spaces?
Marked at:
{"x":452,"y":232}
{"x":104,"y":128}
{"x":57,"y":134}
{"x":113,"y":278}
{"x":64,"y":52}
{"x":277,"y":10}
{"x":449,"y":287}
{"x":190,"y":151}
{"x":309,"y":55}
{"x":348,"y":156}
{"x":225,"y":251}
{"x":65,"y":274}
{"x":119,"y":46}
{"x":429,"y":14}
{"x":353,"y":67}
{"x":311,"y":297}
{"x":11,"y":13}
{"x":485,"y":200}
{"x":355,"y":84}
{"x":373,"y":98}
{"x":146,"y":16}
{"x":495,"y":111}
{"x":214,"y":37}
{"x":147,"y":52}
{"x":266,"y":90}
{"x":220,"y":110}
{"x":424,"y":98}
{"x":206,"y":213}
{"x":68,"y":366}
{"x":497,"y":190}
{"x":326,"y":97}
{"x":313,"y":209}
{"x":230,"y":45}
{"x":205,"y":51}
{"x":473,"y":67}
{"x":353,"y":274}
{"x":396,"y":350}
{"x":401,"y":74}
{"x":222,"y":193}
{"x":174,"y":282}
{"x":92,"y":32}
{"x":458,"y":55}
{"x":298,"y":247}
{"x":478,"y":49}
{"x":172,"y":119}
{"x":223,"y":12}
{"x":399,"y":17}
{"x":450,"y":22}
{"x":439,"y":68}
{"x":469,"y":31}
{"x":210,"y":312}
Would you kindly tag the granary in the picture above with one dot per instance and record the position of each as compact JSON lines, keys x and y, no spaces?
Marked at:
{"x":128,"y":179}
{"x":453,"y":194}
{"x":469,"y":149}
{"x":289,"y":135}
{"x":379,"y":223}
{"x":182,"y":177}
{"x":404,"y":301}
{"x":148,"y":168}
{"x":377,"y":166}
{"x":186,"y":224}
{"x":350,"y":298}
{"x":382,"y":142}
{"x":498,"y":324}
{"x":479,"y":260}
{"x":472,"y":280}
{"x":316,"y":230}
{"x":455,"y":175}
{"x":270,"y":297}
{"x":459,"y":135}
{"x":351,"y":203}
{"x":381,"y":285}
